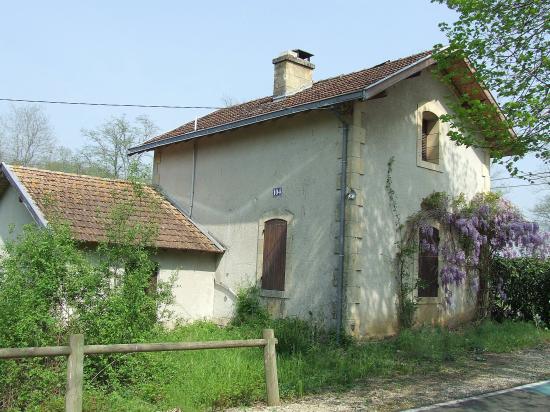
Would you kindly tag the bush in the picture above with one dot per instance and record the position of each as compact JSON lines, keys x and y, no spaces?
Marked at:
{"x":294,"y":335}
{"x":248,"y":308}
{"x":522,"y":289}
{"x":51,"y":288}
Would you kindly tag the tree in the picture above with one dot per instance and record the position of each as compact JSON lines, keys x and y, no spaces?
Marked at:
{"x":507,"y":44}
{"x":229,"y":101}
{"x":542,"y":212}
{"x":69,"y":161}
{"x":109,"y":144}
{"x":27,"y":136}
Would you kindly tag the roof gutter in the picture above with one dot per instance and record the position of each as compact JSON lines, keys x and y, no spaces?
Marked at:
{"x":363,"y":94}
{"x":25,"y":197}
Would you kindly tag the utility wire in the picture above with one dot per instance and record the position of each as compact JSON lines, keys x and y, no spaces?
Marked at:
{"x":528,"y":178}
{"x":528,"y":175}
{"x":154,"y":106}
{"x":532,"y":184}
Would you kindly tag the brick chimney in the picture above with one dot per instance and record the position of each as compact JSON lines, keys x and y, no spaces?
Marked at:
{"x":293,"y":72}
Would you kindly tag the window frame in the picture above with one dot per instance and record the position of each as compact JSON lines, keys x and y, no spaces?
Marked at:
{"x":437,"y":269}
{"x":434,"y":124}
{"x":436,"y":111}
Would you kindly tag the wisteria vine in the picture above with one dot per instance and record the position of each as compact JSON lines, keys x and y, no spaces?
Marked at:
{"x":473,"y":233}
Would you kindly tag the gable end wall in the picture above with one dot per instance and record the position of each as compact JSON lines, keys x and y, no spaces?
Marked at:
{"x":383,"y":128}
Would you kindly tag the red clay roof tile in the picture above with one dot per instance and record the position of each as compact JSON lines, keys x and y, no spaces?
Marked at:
{"x":320,"y":90}
{"x":86,"y":202}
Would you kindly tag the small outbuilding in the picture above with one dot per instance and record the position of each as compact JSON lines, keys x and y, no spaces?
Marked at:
{"x":186,"y":251}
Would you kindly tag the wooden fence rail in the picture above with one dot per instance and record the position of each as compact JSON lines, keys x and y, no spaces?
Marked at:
{"x":76,"y":351}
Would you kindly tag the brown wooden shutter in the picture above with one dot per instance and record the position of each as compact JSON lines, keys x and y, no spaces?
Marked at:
{"x":424,"y":139}
{"x":428,"y":267}
{"x":430,"y":138}
{"x":274,"y":260}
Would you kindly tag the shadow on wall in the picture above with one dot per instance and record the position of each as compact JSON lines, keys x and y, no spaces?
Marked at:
{"x":392,"y":130}
{"x":234,"y":183}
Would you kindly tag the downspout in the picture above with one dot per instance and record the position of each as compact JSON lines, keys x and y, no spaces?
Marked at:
{"x":193,"y":178}
{"x":341,"y":232}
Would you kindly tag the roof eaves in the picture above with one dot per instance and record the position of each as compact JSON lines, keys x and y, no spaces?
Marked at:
{"x":407,"y":71}
{"x":489,"y":96}
{"x":248,"y":121}
{"x":26,"y":198}
{"x":203,"y":230}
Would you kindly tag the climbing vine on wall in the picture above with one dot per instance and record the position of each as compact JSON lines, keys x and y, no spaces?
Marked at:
{"x":474,"y":233}
{"x":407,"y":283}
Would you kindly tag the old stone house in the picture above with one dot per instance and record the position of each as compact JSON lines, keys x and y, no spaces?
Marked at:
{"x":289,"y":192}
{"x":293,"y":186}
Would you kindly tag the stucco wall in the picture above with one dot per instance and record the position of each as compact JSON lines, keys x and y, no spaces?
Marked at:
{"x":235,"y":173}
{"x":193,"y":287}
{"x":13,"y":216}
{"x":389,"y":127}
{"x":193,"y":271}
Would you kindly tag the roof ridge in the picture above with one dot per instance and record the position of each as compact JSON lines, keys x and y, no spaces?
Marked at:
{"x":315,"y":82}
{"x":330,"y":88}
{"x":371,"y":67}
{"x":84,"y":176}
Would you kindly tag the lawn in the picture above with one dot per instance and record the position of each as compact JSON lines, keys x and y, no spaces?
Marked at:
{"x":308,"y":362}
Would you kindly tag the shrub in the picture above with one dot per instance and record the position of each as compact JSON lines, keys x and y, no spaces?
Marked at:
{"x":522,"y":289}
{"x":50,"y":288}
{"x":294,"y":335}
{"x":248,"y":308}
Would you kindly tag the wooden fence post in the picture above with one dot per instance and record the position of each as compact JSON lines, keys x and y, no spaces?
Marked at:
{"x":75,"y":372}
{"x":270,"y":364}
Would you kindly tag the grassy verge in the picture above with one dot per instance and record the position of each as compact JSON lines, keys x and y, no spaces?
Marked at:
{"x":308,"y":362}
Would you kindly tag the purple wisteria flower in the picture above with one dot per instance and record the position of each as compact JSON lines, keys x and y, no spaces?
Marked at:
{"x":487,"y":226}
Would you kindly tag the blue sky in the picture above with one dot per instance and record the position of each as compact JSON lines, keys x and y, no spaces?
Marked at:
{"x":195,"y":53}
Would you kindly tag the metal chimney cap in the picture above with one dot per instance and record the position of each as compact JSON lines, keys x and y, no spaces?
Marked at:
{"x":302,"y":54}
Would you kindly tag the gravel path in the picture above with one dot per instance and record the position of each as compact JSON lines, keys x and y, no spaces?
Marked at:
{"x":492,"y":372}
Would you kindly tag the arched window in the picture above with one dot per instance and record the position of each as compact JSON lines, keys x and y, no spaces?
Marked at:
{"x":430,"y":138}
{"x":428,"y":262}
{"x":274,"y":255}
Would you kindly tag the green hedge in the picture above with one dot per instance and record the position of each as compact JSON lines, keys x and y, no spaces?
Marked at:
{"x":521,"y":289}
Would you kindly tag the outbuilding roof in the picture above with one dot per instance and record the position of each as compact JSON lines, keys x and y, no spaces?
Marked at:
{"x":86,"y":203}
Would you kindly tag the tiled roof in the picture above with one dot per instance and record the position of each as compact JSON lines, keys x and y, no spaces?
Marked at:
{"x":320,"y":90}
{"x":86,"y":203}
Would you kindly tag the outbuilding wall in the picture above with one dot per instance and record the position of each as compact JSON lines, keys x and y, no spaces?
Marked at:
{"x":13,"y":216}
{"x":192,"y":277}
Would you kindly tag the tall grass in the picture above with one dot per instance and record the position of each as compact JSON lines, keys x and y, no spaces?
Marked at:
{"x":308,"y":362}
